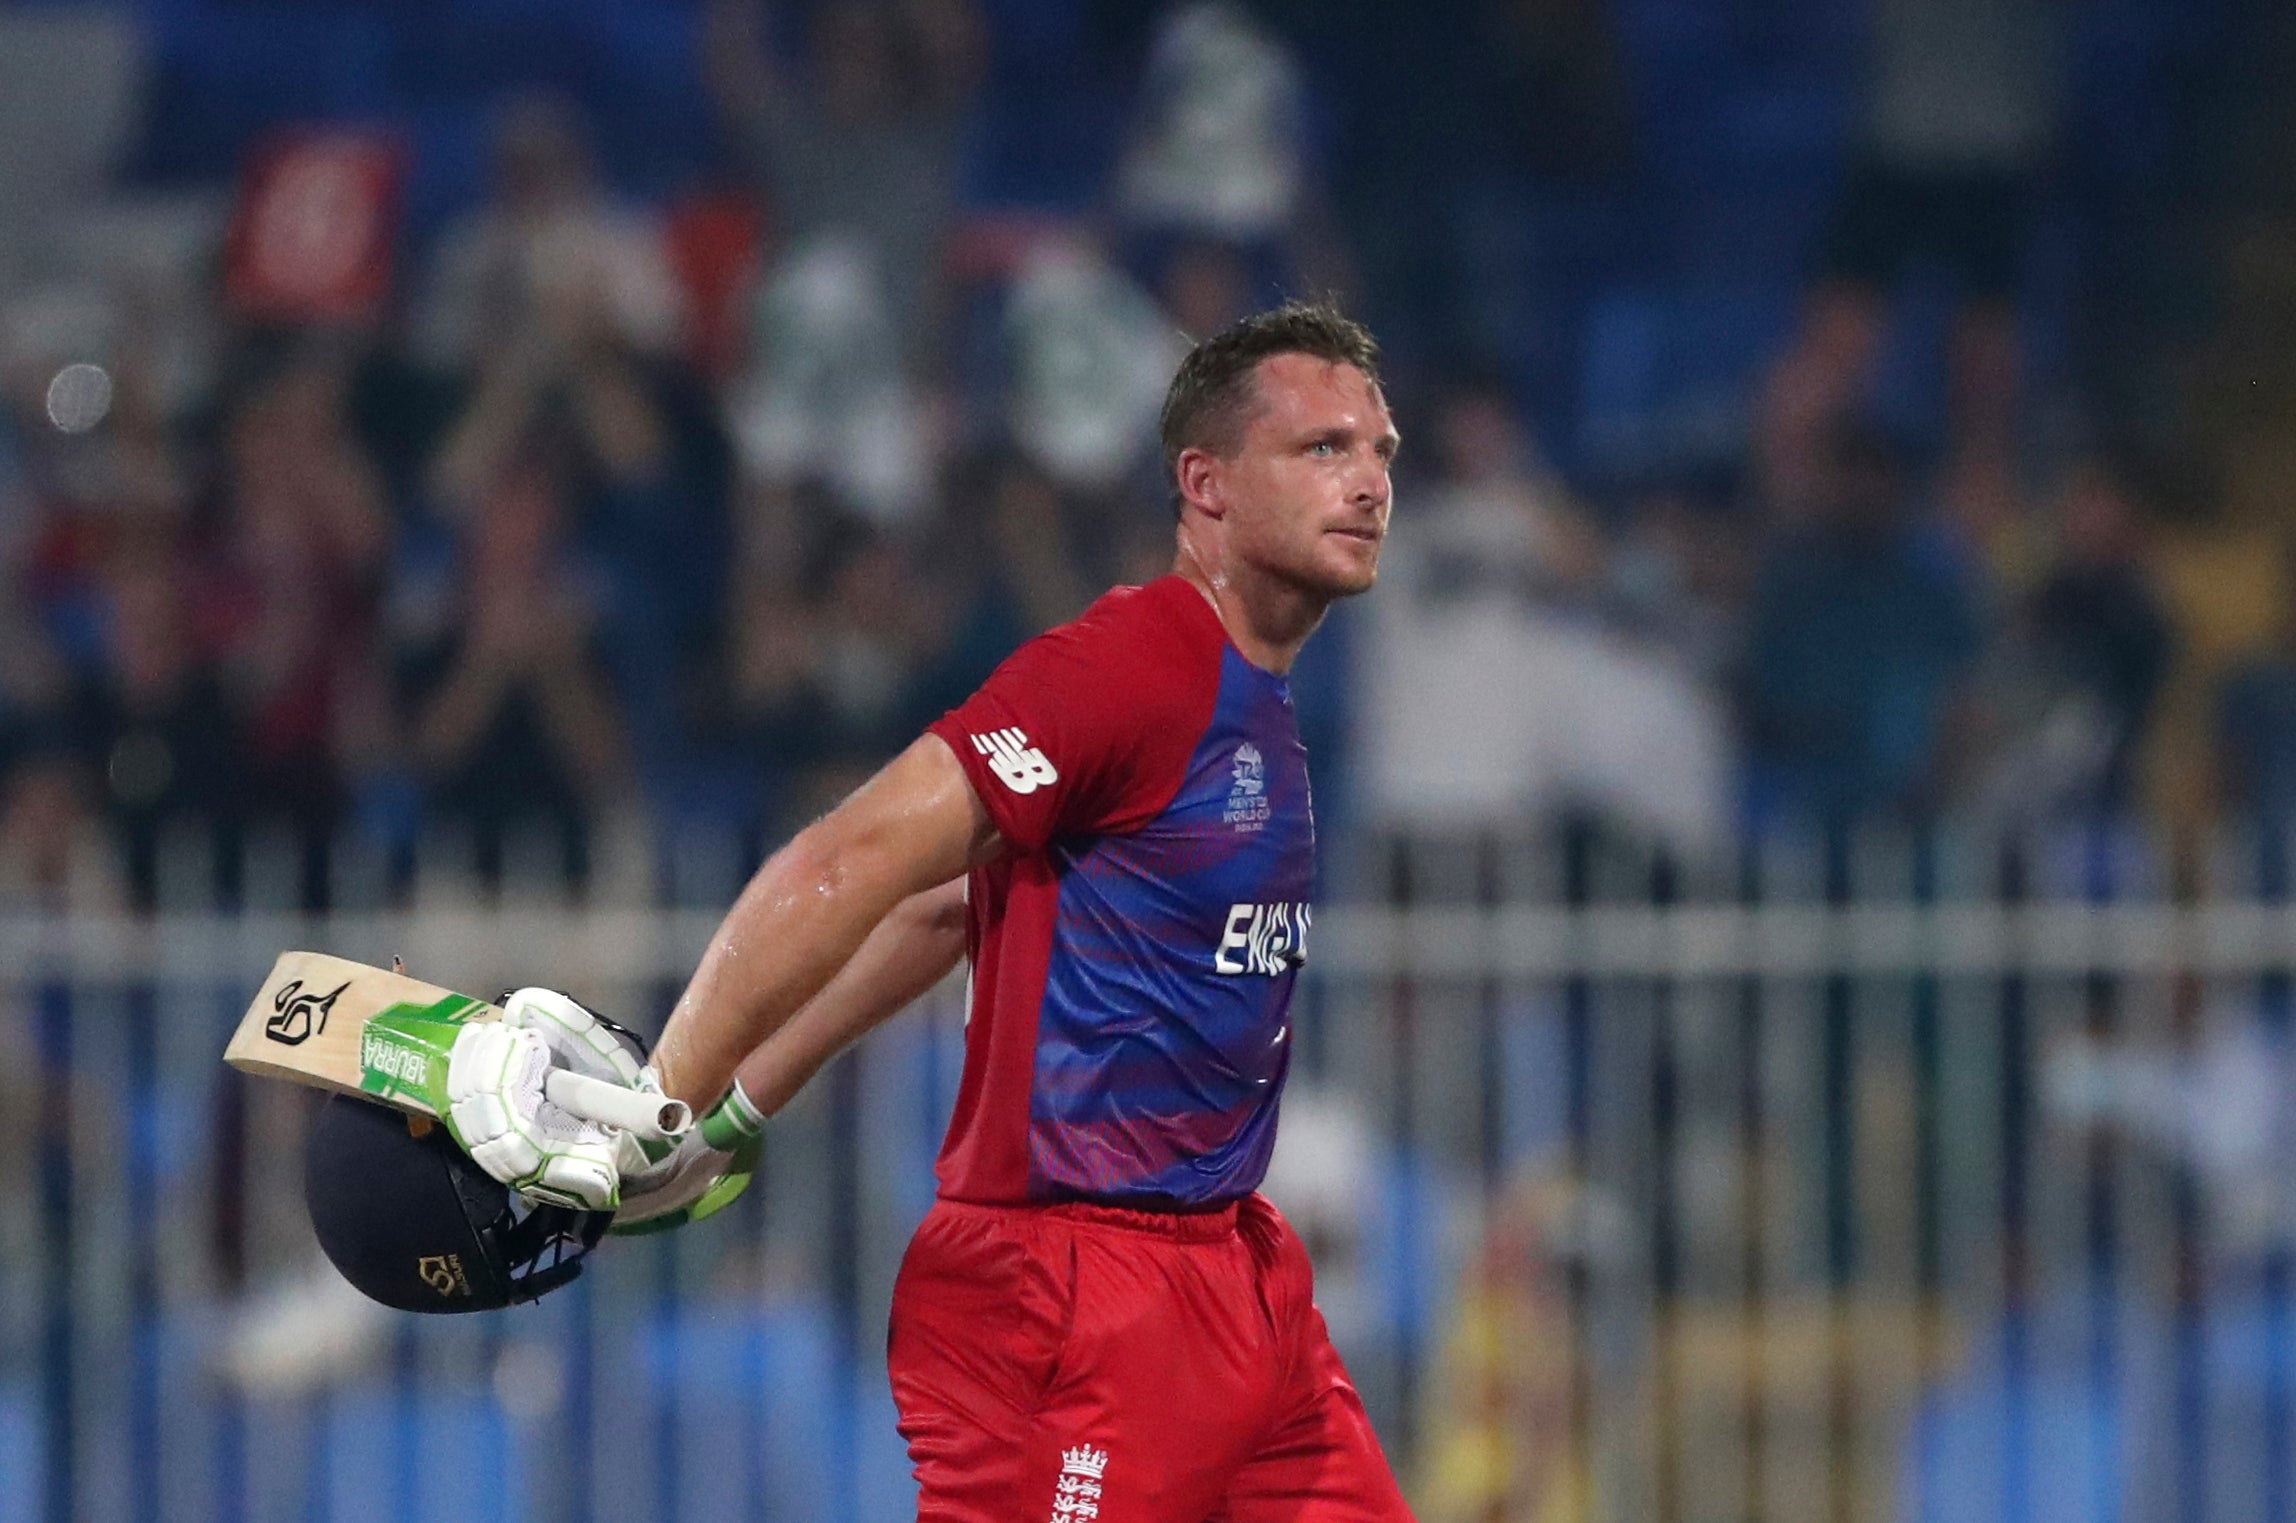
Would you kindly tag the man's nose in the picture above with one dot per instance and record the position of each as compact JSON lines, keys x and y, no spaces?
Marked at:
{"x":1370,"y":485}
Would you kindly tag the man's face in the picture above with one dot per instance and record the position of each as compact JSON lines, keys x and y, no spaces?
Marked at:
{"x":1307,"y":489}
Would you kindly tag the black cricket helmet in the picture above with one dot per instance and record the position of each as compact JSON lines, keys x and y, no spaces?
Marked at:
{"x":406,"y":1217}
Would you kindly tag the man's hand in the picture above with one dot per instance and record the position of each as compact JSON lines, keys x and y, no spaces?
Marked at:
{"x":514,"y":1131}
{"x":704,"y":1173}
{"x":503,"y":1116}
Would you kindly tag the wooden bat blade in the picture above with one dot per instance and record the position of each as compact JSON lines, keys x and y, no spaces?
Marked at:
{"x":308,"y":1025}
{"x":334,"y":1024}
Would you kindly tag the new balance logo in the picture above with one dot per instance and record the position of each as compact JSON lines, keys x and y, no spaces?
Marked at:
{"x":1017,"y":764}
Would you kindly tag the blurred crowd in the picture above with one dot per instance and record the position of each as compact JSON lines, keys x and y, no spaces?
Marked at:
{"x":558,"y":412}
{"x":702,"y":503}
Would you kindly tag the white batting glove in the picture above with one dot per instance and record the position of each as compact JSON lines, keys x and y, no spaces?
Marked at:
{"x":509,"y":1125}
{"x":576,"y":1038}
{"x":515,"y":1132}
{"x":580,"y":1041}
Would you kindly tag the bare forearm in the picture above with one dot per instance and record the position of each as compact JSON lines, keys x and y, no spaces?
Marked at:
{"x":794,"y":926}
{"x":910,"y":951}
{"x":913,"y":827}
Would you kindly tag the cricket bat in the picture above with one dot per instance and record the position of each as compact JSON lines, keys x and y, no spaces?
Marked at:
{"x":334,"y":1024}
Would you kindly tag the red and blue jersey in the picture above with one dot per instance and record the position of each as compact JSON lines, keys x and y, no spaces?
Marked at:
{"x":1134,"y":950}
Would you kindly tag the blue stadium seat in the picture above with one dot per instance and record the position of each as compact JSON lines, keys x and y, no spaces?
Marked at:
{"x":1042,"y":151}
{"x":457,"y":1452}
{"x":1760,"y":134}
{"x":1674,"y":38}
{"x":22,"y":1466}
{"x":475,"y":50}
{"x":769,"y":1391}
{"x":2124,"y":59}
{"x":1403,"y":1247}
{"x":651,"y":116}
{"x":223,"y":75}
{"x":1046,"y":130}
{"x":2019,"y":1449}
{"x":1732,"y":233}
{"x":448,"y":167}
{"x":2110,"y":860}
{"x":1669,"y":375}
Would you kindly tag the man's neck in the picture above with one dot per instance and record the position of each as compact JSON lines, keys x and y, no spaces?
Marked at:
{"x":1268,"y":620}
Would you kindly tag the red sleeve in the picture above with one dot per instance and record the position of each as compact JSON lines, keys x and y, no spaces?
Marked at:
{"x":1087,"y":729}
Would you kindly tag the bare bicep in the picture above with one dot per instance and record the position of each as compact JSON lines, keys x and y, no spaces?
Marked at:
{"x":920,"y":813}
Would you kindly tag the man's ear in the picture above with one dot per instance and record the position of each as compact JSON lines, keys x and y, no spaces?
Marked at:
{"x":1197,"y":473}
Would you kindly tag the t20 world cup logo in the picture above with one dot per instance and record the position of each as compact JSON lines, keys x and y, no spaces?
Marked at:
{"x":1248,"y":805}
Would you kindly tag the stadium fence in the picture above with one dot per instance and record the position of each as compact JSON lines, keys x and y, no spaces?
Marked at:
{"x":1905,"y":1175}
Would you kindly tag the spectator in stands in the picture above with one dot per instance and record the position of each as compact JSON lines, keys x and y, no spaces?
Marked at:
{"x":1862,"y":630}
{"x":1678,"y":567}
{"x":2214,"y":1101}
{"x":1497,"y":688}
{"x":46,"y":801}
{"x":1554,"y":84}
{"x":2255,"y":733}
{"x":1006,"y":563}
{"x":775,"y":705}
{"x":162,"y":738}
{"x":35,"y":683}
{"x":94,"y":635}
{"x":1501,"y":1447}
{"x":73,"y":495}
{"x":503,"y":691}
{"x":48,"y":822}
{"x":1203,"y":285}
{"x":1219,"y":149}
{"x":635,"y":450}
{"x":1090,"y":358}
{"x":2084,"y":658}
{"x":828,"y":396}
{"x":36,"y":688}
{"x":876,"y":625}
{"x":547,"y":237}
{"x":1217,"y":164}
{"x":1960,"y":117}
{"x":826,"y":683}
{"x":861,"y":140}
{"x":300,"y":541}
{"x":1541,"y":140}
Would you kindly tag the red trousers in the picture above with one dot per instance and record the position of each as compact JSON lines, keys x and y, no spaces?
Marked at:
{"x":1079,"y":1364}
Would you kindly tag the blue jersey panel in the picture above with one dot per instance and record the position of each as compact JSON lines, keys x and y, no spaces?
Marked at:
{"x":1164,"y":1037}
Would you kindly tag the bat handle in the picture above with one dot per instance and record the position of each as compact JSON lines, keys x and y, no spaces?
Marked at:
{"x":651,"y":1116}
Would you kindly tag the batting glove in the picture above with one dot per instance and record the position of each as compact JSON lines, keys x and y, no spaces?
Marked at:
{"x":513,"y":1130}
{"x":583,"y":1042}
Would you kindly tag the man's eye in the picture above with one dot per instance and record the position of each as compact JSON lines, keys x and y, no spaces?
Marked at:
{"x":1323,"y":447}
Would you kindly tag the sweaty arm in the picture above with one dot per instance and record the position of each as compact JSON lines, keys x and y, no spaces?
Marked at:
{"x":911,"y":950}
{"x":911,"y":829}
